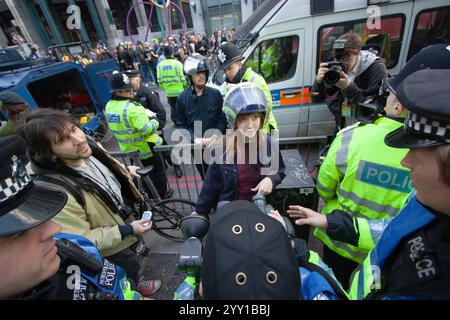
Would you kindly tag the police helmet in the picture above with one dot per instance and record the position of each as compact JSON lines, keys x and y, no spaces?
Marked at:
{"x":228,"y":53}
{"x":167,"y":51}
{"x":432,"y":57}
{"x":119,"y":81}
{"x":23,"y":204}
{"x":244,"y":98}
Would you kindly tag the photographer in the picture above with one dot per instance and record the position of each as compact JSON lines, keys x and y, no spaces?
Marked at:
{"x":352,"y":78}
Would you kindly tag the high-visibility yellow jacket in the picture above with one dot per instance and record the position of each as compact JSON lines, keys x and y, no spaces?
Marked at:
{"x":132,"y":127}
{"x":171,"y":77}
{"x":362,"y":176}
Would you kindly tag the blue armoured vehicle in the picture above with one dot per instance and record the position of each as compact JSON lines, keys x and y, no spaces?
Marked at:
{"x":44,"y":83}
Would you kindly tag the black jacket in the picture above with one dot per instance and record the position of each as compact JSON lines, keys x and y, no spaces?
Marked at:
{"x":221,"y":183}
{"x":400,"y":275}
{"x":150,"y":100}
{"x":206,"y":108}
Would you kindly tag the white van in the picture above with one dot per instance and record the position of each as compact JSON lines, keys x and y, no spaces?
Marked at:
{"x":302,"y":33}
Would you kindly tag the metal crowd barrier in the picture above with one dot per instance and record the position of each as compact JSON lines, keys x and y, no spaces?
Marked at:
{"x":189,"y":186}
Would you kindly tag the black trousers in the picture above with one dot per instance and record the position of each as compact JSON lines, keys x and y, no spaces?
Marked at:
{"x":127,"y":260}
{"x":342,"y":267}
{"x":201,"y":167}
{"x":158,"y":175}
{"x":166,"y":155}
{"x":173,"y":103}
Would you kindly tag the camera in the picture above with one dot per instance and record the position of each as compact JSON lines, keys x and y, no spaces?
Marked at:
{"x":334,"y":72}
{"x":369,"y":112}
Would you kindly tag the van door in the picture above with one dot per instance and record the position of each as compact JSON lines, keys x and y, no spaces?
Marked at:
{"x":98,"y":74}
{"x":278,"y":57}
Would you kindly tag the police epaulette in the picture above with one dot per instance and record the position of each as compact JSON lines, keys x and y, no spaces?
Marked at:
{"x":353,"y":126}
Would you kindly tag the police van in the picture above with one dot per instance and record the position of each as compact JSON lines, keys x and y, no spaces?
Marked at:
{"x":81,"y":91}
{"x":285,"y":41}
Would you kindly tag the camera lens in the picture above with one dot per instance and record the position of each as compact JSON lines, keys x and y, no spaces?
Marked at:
{"x":333,"y":75}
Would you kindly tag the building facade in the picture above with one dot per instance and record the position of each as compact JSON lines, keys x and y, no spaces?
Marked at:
{"x":51,"y":22}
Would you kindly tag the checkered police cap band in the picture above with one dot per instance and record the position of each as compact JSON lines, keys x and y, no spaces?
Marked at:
{"x":427,"y":128}
{"x":13,"y":185}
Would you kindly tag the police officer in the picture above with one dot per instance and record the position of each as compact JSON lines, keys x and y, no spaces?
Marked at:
{"x":171,"y":78}
{"x":364,"y":178}
{"x":133,"y":129}
{"x":231,"y":61}
{"x":15,"y":107}
{"x":200,"y":103}
{"x":414,"y":250}
{"x":411,"y":258}
{"x":270,"y":58}
{"x":150,"y":100}
{"x":32,"y":264}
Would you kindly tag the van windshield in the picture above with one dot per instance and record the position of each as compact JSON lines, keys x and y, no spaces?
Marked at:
{"x":245,"y":33}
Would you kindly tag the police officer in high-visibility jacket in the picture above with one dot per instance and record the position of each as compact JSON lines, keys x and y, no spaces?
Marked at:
{"x":231,"y":61}
{"x":364,"y":177}
{"x":270,"y":60}
{"x":350,"y":230}
{"x":171,"y":78}
{"x":411,"y":260}
{"x":134,"y":129}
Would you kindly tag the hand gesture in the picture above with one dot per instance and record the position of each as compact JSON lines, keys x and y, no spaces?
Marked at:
{"x":141,"y":226}
{"x":277,"y":216}
{"x":132,"y":170}
{"x":343,"y":82}
{"x":264,"y":187}
{"x":323,"y":68}
{"x":307,"y":216}
{"x":150,"y":114}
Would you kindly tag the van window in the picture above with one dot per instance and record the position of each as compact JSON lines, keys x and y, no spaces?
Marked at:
{"x":432,"y":26}
{"x":275,"y":59}
{"x":386,"y":40}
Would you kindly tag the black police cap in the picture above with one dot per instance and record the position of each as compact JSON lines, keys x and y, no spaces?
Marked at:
{"x":23,"y":205}
{"x":432,"y":57}
{"x":119,"y":81}
{"x":227,"y":54}
{"x":426,"y":95}
{"x":248,"y":255}
{"x":9,"y":97}
{"x":167,"y":51}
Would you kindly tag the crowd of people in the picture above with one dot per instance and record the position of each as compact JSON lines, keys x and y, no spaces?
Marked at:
{"x":384,"y":182}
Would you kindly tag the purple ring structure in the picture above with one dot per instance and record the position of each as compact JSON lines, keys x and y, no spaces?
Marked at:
{"x":150,"y":19}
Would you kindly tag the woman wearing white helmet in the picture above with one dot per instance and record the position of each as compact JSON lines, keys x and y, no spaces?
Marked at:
{"x":252,"y":164}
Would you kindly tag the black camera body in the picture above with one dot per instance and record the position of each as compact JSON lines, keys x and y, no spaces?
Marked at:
{"x":369,"y":112}
{"x":334,"y":72}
